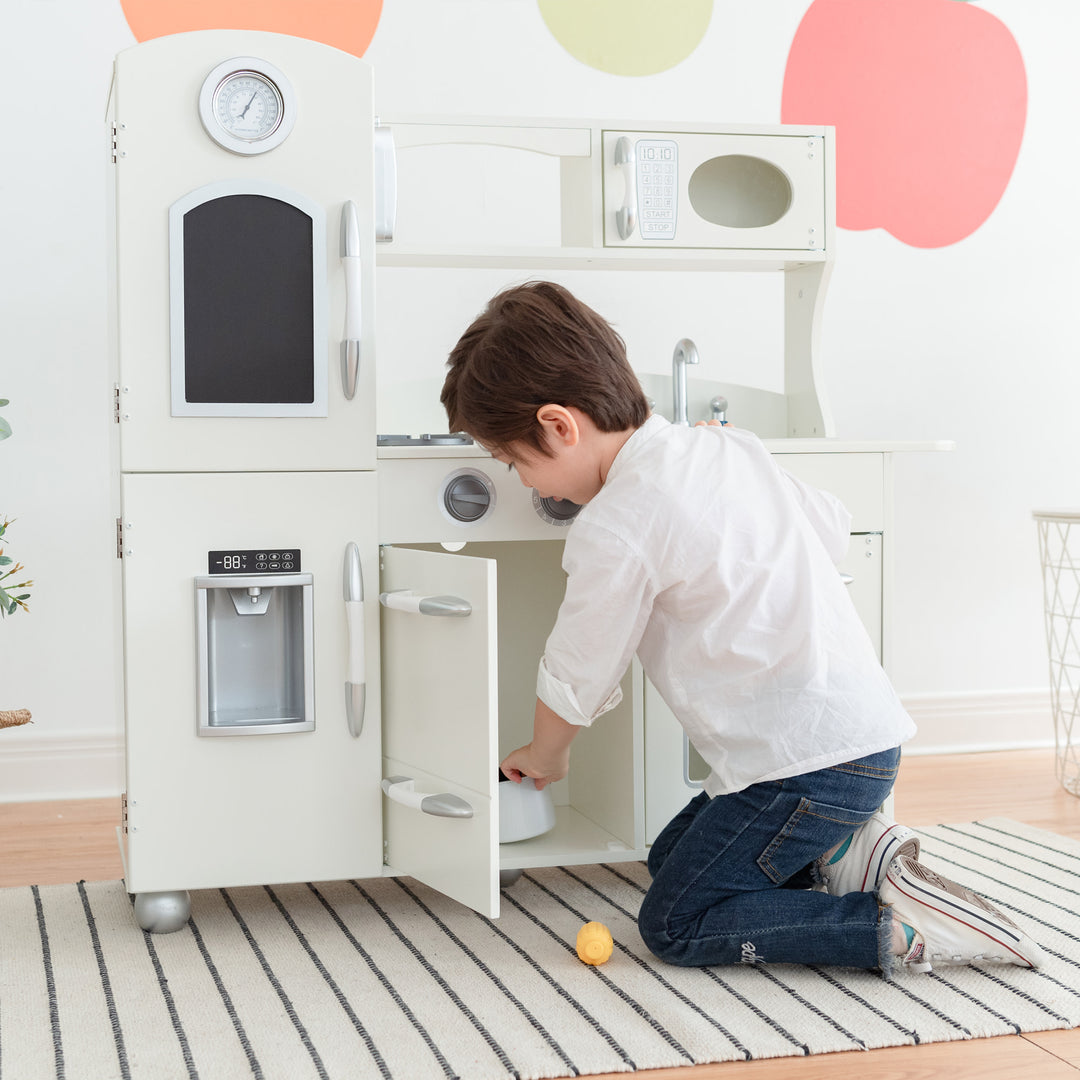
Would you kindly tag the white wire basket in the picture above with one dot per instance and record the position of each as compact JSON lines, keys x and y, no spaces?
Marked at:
{"x":1061,"y":601}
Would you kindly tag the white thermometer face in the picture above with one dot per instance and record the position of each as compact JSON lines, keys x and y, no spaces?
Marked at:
{"x":248,"y":106}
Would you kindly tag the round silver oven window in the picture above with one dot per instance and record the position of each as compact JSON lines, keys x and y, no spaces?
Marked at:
{"x":555,"y":511}
{"x":739,"y":191}
{"x":467,"y":497}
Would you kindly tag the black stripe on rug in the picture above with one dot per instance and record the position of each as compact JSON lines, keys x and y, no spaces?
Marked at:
{"x":374,"y":968}
{"x":711,"y":1020}
{"x":290,"y":1009}
{"x":561,"y":990}
{"x":106,"y":984}
{"x":320,"y":967}
{"x":616,"y":990}
{"x":226,"y":1000}
{"x":503,"y":988}
{"x":473,"y":1019}
{"x":50,"y":985}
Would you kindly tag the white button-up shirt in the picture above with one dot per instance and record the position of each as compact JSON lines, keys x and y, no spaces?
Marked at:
{"x":719,"y":570}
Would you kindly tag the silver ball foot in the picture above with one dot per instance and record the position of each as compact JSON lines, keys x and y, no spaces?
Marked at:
{"x":162,"y":912}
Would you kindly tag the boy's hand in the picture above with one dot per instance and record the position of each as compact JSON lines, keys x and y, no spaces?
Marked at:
{"x":528,"y":761}
{"x":547,"y":758}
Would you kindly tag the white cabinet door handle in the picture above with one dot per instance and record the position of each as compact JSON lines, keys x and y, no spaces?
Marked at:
{"x":355,"y":680}
{"x":350,"y":260}
{"x":407,"y":600}
{"x":402,"y":789}
{"x":626,"y":215}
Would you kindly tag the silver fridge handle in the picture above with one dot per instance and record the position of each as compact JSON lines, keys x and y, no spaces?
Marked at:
{"x":407,"y":600}
{"x":626,"y":215}
{"x":355,"y":684}
{"x":402,"y":789}
{"x":350,"y":260}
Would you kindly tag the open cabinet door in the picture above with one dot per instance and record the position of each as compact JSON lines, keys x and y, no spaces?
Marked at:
{"x":440,"y":722}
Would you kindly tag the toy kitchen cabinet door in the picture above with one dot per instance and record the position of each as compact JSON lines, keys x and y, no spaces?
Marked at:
{"x":440,"y":722}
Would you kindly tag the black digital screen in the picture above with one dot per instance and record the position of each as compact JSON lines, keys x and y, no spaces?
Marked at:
{"x":249,"y":311}
{"x":266,"y":560}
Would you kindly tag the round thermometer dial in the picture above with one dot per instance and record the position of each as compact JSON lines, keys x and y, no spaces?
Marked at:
{"x":247,"y":105}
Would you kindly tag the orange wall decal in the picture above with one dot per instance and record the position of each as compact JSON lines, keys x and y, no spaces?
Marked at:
{"x":929,"y":100}
{"x":348,"y":25}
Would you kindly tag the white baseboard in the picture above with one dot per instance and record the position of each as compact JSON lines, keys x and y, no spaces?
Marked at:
{"x":981,"y":721}
{"x":37,"y":765}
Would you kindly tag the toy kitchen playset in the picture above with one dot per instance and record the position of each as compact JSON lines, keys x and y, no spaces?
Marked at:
{"x":330,"y":636}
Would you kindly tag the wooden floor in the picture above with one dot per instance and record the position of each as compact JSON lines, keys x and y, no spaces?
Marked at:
{"x":56,"y":842}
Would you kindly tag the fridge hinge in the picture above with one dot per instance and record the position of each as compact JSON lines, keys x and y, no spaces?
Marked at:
{"x":114,"y":138}
{"x":119,"y":538}
{"x":123,"y":813}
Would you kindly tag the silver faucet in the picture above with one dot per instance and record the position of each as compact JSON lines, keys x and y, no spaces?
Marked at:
{"x":685,"y":353}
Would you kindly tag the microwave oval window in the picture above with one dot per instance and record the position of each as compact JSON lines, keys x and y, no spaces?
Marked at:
{"x":739,"y":191}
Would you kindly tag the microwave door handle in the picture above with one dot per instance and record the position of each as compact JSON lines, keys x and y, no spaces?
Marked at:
{"x":350,"y":260}
{"x":355,"y":684}
{"x":626,"y":215}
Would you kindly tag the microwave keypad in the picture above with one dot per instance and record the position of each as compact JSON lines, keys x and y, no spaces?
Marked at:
{"x":657,"y":186}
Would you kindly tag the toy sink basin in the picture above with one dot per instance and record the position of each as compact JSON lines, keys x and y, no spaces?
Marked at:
{"x":524,"y":812}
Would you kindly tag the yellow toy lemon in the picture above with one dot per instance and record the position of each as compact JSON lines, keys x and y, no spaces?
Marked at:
{"x":594,"y":943}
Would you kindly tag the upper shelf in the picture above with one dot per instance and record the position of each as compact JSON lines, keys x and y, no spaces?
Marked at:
{"x":609,"y":194}
{"x":564,"y":258}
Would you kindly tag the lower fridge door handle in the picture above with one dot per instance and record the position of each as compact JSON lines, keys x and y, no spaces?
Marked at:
{"x":402,"y":789}
{"x":355,"y":703}
{"x":355,"y":678}
{"x":407,"y":600}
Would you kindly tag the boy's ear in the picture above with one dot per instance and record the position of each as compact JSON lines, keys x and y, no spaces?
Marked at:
{"x":559,"y":424}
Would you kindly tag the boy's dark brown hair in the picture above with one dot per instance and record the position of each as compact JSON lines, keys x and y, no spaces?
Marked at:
{"x":537,"y":344}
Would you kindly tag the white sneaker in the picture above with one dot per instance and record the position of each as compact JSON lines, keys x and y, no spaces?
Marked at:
{"x":952,"y":925}
{"x":873,"y":846}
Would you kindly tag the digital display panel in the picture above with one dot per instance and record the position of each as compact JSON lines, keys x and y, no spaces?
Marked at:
{"x":266,"y":560}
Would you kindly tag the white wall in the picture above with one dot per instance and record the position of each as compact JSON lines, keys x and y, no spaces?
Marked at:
{"x":973,"y":342}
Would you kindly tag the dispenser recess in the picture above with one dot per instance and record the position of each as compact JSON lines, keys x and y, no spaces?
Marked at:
{"x":255,"y":654}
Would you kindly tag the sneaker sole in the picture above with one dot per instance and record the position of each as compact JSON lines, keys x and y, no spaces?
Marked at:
{"x":923,"y":886}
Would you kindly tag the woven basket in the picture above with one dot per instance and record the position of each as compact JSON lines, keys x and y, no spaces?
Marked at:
{"x":14,"y":717}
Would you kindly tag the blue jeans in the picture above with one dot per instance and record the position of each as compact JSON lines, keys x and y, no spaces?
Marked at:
{"x":732,"y":874}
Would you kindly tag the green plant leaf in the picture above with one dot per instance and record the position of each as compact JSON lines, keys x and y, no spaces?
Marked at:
{"x":5,"y":429}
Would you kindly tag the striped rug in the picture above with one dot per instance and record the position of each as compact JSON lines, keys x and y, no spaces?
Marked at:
{"x":385,"y":978}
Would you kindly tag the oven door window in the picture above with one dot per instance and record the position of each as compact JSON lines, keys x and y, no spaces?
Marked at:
{"x":248,"y":300}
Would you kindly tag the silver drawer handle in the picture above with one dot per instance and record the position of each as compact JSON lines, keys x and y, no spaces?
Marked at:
{"x":406,"y":600}
{"x":402,"y":789}
{"x":847,"y":579}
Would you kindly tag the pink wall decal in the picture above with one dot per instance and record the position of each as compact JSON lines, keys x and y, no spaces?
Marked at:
{"x":928,"y":98}
{"x":348,"y":25}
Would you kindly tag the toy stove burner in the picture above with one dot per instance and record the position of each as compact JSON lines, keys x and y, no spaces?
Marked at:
{"x":555,"y":511}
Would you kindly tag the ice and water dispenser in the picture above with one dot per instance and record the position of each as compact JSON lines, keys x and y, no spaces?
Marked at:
{"x":255,"y":644}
